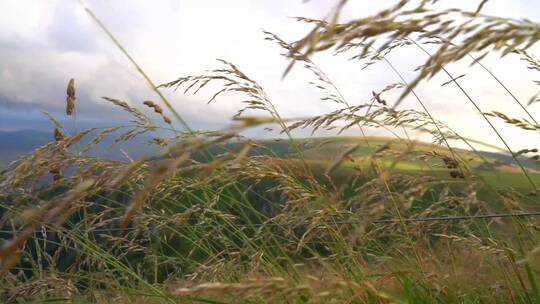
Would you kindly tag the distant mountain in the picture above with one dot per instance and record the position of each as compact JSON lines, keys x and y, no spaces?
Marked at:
{"x":507,"y":159}
{"x":24,"y":139}
{"x":15,"y":144}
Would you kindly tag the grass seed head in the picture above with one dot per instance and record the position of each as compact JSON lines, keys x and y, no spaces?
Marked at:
{"x":70,"y":99}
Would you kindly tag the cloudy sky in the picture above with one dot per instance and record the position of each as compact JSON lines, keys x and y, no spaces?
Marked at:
{"x":44,"y":43}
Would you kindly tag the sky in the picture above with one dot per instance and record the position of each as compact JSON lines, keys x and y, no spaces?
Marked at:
{"x":45,"y":43}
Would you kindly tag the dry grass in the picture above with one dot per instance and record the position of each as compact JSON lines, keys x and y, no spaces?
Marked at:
{"x":212,"y":221}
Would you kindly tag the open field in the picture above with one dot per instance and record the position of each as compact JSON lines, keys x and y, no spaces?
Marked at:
{"x":321,"y":152}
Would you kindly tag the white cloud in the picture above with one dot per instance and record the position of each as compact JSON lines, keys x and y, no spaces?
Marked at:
{"x":25,"y":20}
{"x":44,"y":43}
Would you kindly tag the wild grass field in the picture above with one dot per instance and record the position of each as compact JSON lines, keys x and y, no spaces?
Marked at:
{"x":218,"y":217}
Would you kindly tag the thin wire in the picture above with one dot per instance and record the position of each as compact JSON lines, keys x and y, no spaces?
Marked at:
{"x":458,"y":218}
{"x":386,"y":221}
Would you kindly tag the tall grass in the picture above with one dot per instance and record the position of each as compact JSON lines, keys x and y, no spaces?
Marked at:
{"x":220,"y":218}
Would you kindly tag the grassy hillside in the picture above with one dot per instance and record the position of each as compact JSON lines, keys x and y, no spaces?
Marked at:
{"x":496,"y":169}
{"x":329,"y":147}
{"x":286,"y":211}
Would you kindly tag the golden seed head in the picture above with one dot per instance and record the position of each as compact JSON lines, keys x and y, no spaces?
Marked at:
{"x":58,"y":135}
{"x":70,"y":99}
{"x":158,"y":109}
{"x":149,"y":103}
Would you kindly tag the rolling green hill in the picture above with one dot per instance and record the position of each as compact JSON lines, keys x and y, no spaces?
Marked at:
{"x":496,"y":168}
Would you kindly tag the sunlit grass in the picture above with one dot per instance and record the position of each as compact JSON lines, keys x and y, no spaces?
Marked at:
{"x":220,"y":218}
